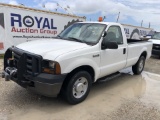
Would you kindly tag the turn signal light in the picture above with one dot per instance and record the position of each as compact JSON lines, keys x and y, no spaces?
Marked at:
{"x":52,"y":68}
{"x":48,"y":70}
{"x":58,"y":69}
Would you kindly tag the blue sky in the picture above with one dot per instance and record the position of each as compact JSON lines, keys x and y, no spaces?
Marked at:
{"x":131,"y":12}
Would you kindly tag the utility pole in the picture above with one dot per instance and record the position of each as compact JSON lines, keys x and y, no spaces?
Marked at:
{"x":104,"y":18}
{"x":118,"y":17}
{"x":149,"y":25}
{"x":141,"y":23}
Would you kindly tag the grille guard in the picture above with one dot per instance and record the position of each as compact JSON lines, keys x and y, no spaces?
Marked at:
{"x":21,"y":65}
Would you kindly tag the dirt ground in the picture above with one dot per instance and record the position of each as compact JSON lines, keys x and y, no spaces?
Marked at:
{"x":125,"y":97}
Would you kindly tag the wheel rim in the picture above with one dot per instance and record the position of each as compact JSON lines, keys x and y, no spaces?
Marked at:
{"x":141,"y":65}
{"x":80,"y":87}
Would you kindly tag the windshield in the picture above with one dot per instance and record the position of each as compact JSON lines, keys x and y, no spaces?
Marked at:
{"x":83,"y":32}
{"x":156,"y":36}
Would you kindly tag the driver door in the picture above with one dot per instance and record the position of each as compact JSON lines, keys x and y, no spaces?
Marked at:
{"x":113,"y":60}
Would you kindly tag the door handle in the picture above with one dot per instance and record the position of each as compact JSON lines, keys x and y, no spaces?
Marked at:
{"x":96,"y":55}
{"x":124,"y":50}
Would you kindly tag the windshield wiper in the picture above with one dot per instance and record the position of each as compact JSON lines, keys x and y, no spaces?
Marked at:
{"x":75,"y":39}
{"x":58,"y":36}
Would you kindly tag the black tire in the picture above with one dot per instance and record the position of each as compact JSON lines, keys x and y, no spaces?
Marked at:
{"x":68,"y":88}
{"x":138,"y":68}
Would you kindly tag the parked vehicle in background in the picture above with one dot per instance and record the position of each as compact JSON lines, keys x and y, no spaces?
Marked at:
{"x":136,"y":32}
{"x":82,"y":54}
{"x":21,"y":24}
{"x":155,"y":38}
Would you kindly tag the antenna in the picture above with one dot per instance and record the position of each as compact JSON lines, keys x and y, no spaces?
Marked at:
{"x":69,"y":8}
{"x":104,"y":18}
{"x":66,"y":9}
{"x":62,"y":7}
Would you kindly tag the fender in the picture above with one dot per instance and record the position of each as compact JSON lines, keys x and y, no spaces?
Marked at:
{"x":140,"y":53}
{"x":143,"y":50}
{"x":68,"y":67}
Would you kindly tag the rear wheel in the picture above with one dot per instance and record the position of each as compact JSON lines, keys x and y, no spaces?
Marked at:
{"x":78,"y":87}
{"x":139,"y":66}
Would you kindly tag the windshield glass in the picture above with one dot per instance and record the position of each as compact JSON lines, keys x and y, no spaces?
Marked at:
{"x":83,"y":32}
{"x":156,"y":36}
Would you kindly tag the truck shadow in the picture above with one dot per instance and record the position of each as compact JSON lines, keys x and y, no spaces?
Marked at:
{"x":155,"y":57}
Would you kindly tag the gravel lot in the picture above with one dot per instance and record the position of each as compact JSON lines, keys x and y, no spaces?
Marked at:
{"x":125,"y":97}
{"x":153,"y":65}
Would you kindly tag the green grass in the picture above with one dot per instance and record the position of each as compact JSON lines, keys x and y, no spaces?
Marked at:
{"x":1,"y":56}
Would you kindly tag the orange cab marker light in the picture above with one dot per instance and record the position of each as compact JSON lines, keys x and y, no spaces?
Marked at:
{"x":100,"y":19}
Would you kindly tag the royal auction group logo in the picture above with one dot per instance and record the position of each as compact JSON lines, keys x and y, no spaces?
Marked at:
{"x":29,"y":24}
{"x":28,"y":21}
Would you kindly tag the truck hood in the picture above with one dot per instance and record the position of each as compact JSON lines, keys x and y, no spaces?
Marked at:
{"x":155,"y":41}
{"x":51,"y":48}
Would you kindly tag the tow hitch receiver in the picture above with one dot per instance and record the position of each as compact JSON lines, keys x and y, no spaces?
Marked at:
{"x":9,"y":73}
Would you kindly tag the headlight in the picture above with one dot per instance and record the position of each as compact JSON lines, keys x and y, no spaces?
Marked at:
{"x":52,"y":64}
{"x":51,"y":67}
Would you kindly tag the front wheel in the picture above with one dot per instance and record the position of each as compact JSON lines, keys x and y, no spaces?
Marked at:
{"x":139,"y":66}
{"x":78,"y":87}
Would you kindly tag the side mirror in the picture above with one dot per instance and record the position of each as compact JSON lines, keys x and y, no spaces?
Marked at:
{"x":109,"y":45}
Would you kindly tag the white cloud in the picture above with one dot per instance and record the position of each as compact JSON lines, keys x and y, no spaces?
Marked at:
{"x":50,"y":5}
{"x":13,"y":2}
{"x":138,"y":10}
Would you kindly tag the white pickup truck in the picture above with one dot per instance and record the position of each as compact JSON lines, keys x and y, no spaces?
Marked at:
{"x":79,"y":56}
{"x":156,"y":43}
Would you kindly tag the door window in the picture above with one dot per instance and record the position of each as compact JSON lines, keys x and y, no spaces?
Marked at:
{"x":114,"y":34}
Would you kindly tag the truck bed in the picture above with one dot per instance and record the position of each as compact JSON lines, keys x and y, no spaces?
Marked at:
{"x":134,"y":41}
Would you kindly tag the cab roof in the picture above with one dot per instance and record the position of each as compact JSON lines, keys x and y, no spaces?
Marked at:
{"x":106,"y":23}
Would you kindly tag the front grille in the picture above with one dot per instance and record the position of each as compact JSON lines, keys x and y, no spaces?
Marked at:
{"x":29,"y":65}
{"x":156,"y":47}
{"x":16,"y":58}
{"x":32,"y":65}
